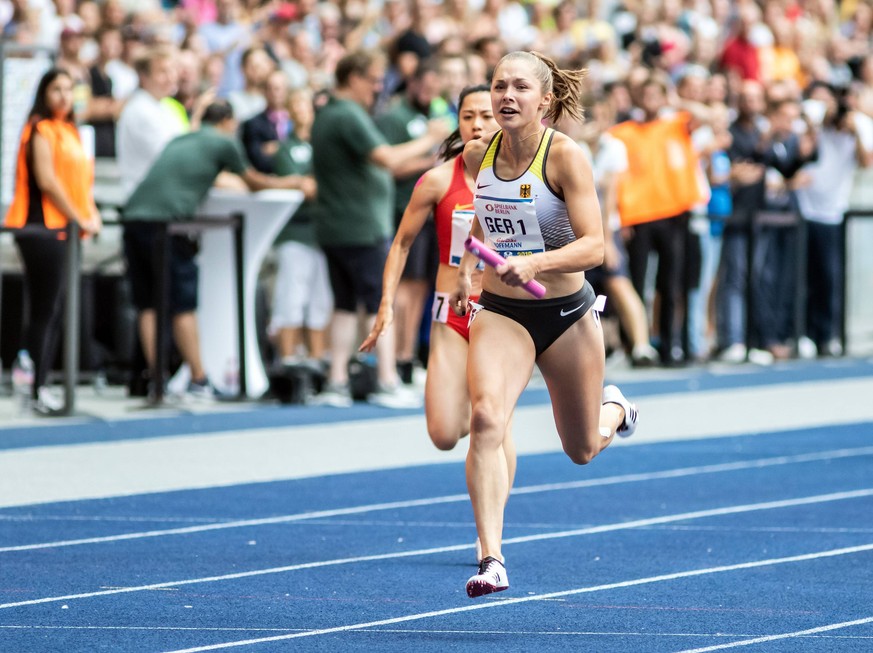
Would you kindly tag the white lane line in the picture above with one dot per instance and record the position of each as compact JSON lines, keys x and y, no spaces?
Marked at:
{"x":422,"y":631}
{"x":605,"y":528}
{"x":455,"y":498}
{"x":773,"y":638}
{"x":527,"y":599}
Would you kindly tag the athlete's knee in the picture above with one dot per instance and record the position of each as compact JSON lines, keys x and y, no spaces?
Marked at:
{"x":487,"y":425}
{"x":445,"y":439}
{"x":581,"y":453}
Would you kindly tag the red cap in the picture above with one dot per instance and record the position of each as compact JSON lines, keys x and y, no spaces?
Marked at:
{"x":286,"y":12}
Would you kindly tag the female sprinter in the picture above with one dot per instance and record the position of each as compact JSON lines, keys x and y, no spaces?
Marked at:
{"x":535,"y":204}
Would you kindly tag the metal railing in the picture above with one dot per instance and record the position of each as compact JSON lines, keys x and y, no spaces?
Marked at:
{"x":72,"y":265}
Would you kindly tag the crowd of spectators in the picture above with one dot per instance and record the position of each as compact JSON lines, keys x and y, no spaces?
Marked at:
{"x":729,"y":124}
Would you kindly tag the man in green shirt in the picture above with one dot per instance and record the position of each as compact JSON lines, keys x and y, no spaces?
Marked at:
{"x":353,"y":165}
{"x":405,"y":120}
{"x":171,"y":191}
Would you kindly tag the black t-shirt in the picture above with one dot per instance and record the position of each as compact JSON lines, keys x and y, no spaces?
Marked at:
{"x":104,"y":130}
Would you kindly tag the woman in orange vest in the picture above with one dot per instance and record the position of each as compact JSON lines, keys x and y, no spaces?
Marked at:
{"x":53,"y":185}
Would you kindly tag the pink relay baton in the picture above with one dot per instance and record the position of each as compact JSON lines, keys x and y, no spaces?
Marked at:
{"x":492,"y":258}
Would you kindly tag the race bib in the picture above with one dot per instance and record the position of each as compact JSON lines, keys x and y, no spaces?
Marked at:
{"x":511,"y":226}
{"x":440,"y":308}
{"x":462,"y":220}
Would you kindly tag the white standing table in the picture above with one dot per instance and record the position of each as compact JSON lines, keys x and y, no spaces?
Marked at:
{"x":266,"y":212}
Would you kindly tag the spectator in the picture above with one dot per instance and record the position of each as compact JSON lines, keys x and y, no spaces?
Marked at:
{"x":717,"y":164}
{"x":173,"y":188}
{"x":655,"y":196}
{"x":753,"y":150}
{"x":146,"y":125}
{"x":353,"y":166}
{"x":302,"y":298}
{"x":250,"y":101}
{"x":747,"y":175}
{"x":70,"y":60}
{"x":740,"y":54}
{"x":845,"y":143}
{"x":262,"y":133}
{"x":189,"y":83}
{"x":406,"y":53}
{"x":104,"y":109}
{"x":53,"y":186}
{"x":122,"y":72}
{"x":227,"y":37}
{"x":405,"y":121}
{"x":454,"y":77}
{"x":786,"y":146}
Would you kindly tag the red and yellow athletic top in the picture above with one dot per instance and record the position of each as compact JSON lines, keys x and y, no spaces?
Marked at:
{"x":661,"y":180}
{"x":72,"y":167}
{"x":453,"y":216}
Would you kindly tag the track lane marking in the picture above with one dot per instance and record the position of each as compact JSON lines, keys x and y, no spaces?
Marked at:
{"x":456,"y":498}
{"x":605,"y":528}
{"x":774,"y":638}
{"x":551,"y":595}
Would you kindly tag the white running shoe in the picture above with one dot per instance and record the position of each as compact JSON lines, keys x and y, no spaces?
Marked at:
{"x":734,"y":354}
{"x":47,"y":402}
{"x":337,"y":396}
{"x":612,"y":395}
{"x":397,"y":397}
{"x":491,"y":578}
{"x":806,"y":348}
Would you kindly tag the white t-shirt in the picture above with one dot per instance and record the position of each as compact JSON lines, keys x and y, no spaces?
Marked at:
{"x":246,"y":105}
{"x":144,"y":128}
{"x":125,"y":81}
{"x":826,"y":199}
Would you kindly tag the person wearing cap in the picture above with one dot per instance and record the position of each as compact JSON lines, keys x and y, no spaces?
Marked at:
{"x":69,"y":58}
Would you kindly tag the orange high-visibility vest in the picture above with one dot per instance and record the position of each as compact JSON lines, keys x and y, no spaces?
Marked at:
{"x":662,"y":176}
{"x":73,"y":168}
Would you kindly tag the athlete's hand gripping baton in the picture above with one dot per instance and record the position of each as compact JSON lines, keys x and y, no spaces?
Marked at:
{"x":492,"y":258}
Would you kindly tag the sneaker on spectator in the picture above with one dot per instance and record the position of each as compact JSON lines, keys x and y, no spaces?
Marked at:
{"x":736,"y":353}
{"x":832,"y":348}
{"x":398,"y":396}
{"x":644,"y":356}
{"x":47,"y":402}
{"x":202,"y":390}
{"x":335,"y":395}
{"x":760,"y":357}
{"x":806,"y":348}
{"x":491,"y":577}
{"x":612,"y":395}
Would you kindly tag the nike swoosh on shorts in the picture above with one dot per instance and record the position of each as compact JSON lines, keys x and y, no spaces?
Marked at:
{"x":572,"y":310}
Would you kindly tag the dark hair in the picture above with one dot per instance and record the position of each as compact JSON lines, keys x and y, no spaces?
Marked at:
{"x":40,"y":108}
{"x":356,"y":63}
{"x":423,"y":67}
{"x":217,"y":112}
{"x":249,"y":52}
{"x":453,"y":145}
{"x":839,"y":96}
